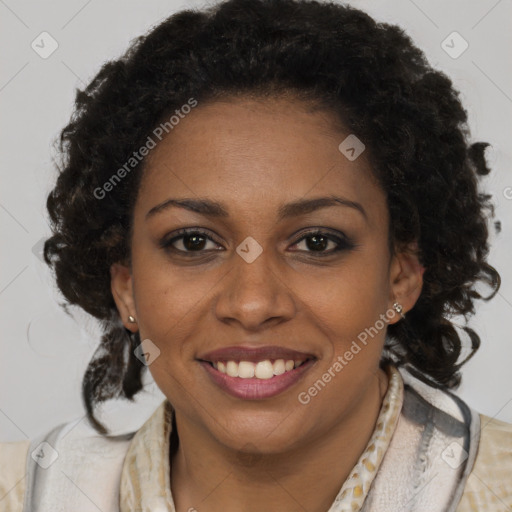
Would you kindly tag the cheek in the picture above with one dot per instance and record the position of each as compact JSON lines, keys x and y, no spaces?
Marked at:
{"x":163,"y":292}
{"x":167,"y":300}
{"x":351,"y":305}
{"x":354,"y":290}
{"x":169,"y":308}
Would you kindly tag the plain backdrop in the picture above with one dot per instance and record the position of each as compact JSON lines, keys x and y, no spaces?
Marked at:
{"x":44,"y":352}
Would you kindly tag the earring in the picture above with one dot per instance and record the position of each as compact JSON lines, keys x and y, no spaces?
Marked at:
{"x":398,"y":308}
{"x":132,"y":320}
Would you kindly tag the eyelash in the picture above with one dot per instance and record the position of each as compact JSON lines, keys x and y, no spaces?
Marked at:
{"x":343,"y":242}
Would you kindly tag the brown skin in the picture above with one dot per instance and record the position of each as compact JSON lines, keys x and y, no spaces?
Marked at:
{"x":253,"y":156}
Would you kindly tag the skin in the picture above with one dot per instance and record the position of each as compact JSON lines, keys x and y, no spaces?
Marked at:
{"x":253,"y":156}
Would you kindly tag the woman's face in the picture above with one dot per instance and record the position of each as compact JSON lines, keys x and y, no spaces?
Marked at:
{"x":257,"y":177}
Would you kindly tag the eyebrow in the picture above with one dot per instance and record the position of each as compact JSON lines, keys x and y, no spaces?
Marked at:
{"x":211,"y":208}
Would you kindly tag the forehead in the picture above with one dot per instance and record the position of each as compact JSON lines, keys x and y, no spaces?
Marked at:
{"x":257,"y":152}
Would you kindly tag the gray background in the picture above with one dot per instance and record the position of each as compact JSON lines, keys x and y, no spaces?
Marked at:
{"x":44,"y":352}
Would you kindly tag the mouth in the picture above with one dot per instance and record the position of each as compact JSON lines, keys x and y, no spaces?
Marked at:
{"x":255,"y":374}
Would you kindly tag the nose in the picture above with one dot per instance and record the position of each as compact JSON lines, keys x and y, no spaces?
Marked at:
{"x":255,"y":294}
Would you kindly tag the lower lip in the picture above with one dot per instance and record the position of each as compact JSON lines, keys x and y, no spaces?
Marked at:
{"x":256,"y":389}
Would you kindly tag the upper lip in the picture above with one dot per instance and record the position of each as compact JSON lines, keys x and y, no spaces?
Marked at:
{"x":240,"y":353}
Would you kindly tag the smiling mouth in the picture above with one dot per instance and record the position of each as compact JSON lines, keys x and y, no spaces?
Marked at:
{"x":256,"y":380}
{"x":264,"y":370}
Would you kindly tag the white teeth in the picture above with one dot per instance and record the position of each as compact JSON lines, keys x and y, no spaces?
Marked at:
{"x":264,"y":370}
{"x":261,"y":370}
{"x":246,"y":370}
{"x":279,"y":368}
{"x":232,"y":368}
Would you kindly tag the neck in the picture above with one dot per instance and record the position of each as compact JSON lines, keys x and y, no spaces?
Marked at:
{"x":210,"y":477}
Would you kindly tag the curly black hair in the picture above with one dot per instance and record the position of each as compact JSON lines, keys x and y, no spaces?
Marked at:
{"x":369,"y":75}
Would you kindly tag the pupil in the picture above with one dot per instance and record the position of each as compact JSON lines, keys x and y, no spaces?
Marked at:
{"x":195,"y":244}
{"x":315,"y":245}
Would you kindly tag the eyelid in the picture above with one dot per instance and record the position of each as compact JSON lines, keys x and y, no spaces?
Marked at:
{"x":343,"y":241}
{"x":312,"y":230}
{"x":180,"y":233}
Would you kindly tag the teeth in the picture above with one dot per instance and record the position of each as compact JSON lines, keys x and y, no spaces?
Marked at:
{"x":264,"y":370}
{"x":279,"y":367}
{"x":245,"y":370}
{"x":261,"y":370}
{"x":232,"y":368}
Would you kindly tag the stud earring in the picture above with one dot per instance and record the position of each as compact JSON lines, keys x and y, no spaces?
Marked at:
{"x":398,"y":308}
{"x":132,"y":320}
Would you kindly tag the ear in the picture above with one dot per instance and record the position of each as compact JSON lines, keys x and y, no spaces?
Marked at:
{"x":121,"y":285}
{"x":406,"y":279}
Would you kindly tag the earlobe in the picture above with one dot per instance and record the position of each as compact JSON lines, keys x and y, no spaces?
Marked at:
{"x":406,"y":280}
{"x":121,"y":286}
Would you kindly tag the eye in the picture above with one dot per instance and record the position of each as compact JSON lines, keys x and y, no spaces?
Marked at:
{"x":192,"y":240}
{"x":319,"y":242}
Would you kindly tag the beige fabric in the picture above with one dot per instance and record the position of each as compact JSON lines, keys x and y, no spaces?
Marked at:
{"x":13,"y":458}
{"x":489,"y":486}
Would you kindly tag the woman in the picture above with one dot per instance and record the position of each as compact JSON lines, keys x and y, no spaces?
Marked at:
{"x":273,"y":206}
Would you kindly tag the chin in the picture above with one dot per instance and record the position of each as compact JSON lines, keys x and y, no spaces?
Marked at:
{"x":261,"y":437}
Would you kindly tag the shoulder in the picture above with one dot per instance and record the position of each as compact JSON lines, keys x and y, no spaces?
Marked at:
{"x":72,"y":466}
{"x":13,"y":463}
{"x":81,"y":467}
{"x":489,"y":486}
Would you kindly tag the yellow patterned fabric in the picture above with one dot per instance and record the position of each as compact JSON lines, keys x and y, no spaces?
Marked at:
{"x":489,"y":486}
{"x":355,"y":489}
{"x":145,"y":477}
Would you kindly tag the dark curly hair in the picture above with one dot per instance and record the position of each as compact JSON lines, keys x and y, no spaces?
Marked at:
{"x":368,"y":74}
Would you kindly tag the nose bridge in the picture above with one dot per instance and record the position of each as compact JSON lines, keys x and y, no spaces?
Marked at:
{"x":254,"y":291}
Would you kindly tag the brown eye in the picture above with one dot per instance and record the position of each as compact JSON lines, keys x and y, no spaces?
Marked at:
{"x":324,"y":243}
{"x":193,"y":242}
{"x":317,"y":242}
{"x":189,"y":241}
